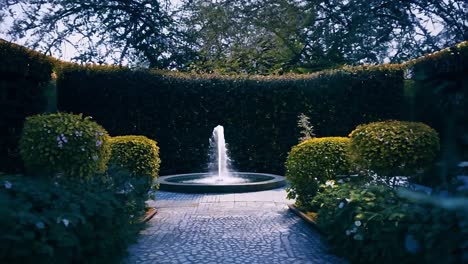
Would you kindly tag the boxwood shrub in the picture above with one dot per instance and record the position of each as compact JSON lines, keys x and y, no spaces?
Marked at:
{"x":393,"y":147}
{"x":42,"y":221}
{"x":138,"y":155}
{"x":64,"y":143}
{"x":315,"y":161}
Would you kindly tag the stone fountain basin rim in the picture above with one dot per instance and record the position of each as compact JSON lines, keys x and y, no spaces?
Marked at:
{"x":276,"y":181}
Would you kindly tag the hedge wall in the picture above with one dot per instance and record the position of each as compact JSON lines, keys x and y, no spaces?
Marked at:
{"x":259,"y":113}
{"x":23,"y":75}
{"x":439,"y":90}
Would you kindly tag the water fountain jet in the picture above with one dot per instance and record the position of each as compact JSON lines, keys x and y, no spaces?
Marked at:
{"x":221,"y":179}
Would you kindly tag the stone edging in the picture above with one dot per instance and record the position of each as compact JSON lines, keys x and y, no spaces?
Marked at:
{"x":305,"y":218}
{"x":149,"y":214}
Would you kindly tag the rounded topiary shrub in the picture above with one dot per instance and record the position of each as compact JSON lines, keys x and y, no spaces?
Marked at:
{"x":392,"y":147}
{"x":315,"y":161}
{"x":138,"y":155}
{"x":64,"y":143}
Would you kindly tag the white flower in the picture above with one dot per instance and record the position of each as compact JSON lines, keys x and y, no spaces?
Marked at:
{"x":348,"y":200}
{"x":82,"y":149}
{"x":95,"y":157}
{"x":357,"y":223}
{"x":330,"y":183}
{"x":40,"y":225}
{"x":341,"y":205}
{"x":65,"y":222}
{"x":7,"y":184}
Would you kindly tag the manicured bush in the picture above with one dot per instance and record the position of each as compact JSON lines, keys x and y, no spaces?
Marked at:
{"x":24,"y":75}
{"x":258,"y":113}
{"x":46,"y":222}
{"x":137,"y":154}
{"x":392,"y":147}
{"x":373,"y":224}
{"x":315,"y":161}
{"x":64,"y":143}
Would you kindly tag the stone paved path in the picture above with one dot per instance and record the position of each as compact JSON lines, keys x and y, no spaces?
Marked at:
{"x":228,"y":228}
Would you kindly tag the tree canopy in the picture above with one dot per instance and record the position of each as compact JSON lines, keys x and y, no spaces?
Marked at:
{"x":239,"y":36}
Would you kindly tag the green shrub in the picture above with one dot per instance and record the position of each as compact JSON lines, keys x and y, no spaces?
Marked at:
{"x":315,"y":161}
{"x":46,"y":222}
{"x":392,"y":147}
{"x":137,"y":154}
{"x":373,"y":224}
{"x":364,"y":224}
{"x":258,"y":113}
{"x":64,"y":143}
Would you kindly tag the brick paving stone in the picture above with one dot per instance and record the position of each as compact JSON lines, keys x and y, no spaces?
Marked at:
{"x":228,"y":228}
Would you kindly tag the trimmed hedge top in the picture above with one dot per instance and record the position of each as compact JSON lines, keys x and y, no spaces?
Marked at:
{"x":138,"y":154}
{"x":315,"y":161}
{"x":393,"y":147}
{"x":447,"y":61}
{"x":64,"y":143}
{"x":18,"y":60}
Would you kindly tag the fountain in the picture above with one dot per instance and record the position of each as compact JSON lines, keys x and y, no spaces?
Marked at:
{"x":220,"y":178}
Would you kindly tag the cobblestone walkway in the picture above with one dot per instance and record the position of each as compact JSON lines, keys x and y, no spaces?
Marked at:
{"x":228,"y":228}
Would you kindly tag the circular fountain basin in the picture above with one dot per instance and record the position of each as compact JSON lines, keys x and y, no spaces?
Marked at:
{"x":207,"y":183}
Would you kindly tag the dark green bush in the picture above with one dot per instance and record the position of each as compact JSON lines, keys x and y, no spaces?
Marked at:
{"x":373,"y":224}
{"x":138,"y":155}
{"x":24,"y":75}
{"x":258,"y":113}
{"x":64,"y":143}
{"x":315,"y":161}
{"x":392,"y":147}
{"x":45,"y":222}
{"x":439,"y":96}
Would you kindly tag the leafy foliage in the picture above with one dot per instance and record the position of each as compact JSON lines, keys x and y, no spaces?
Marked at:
{"x":23,"y":78}
{"x":313,"y":162}
{"x":369,"y":224}
{"x":258,"y":113}
{"x":111,"y":31}
{"x":137,"y":154}
{"x":393,"y":147}
{"x":46,"y":222}
{"x":275,"y":36}
{"x":64,"y":143}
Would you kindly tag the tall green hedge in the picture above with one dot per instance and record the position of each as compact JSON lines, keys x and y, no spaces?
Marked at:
{"x":23,"y":78}
{"x":438,"y":93}
{"x":259,"y":113}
